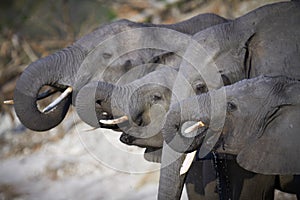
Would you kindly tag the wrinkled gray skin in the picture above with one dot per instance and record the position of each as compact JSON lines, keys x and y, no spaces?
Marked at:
{"x":152,"y":92}
{"x":93,"y":57}
{"x":261,"y":124}
{"x":265,"y":41}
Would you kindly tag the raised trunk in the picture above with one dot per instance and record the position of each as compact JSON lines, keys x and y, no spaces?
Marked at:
{"x":56,"y":70}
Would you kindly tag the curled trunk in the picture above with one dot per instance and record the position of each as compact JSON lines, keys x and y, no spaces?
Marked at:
{"x":55,"y":70}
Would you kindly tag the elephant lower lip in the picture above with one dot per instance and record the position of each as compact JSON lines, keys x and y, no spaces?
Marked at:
{"x":127,"y":139}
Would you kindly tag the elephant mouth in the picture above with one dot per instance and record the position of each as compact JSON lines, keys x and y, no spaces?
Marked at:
{"x":151,"y":154}
{"x":128,"y":139}
{"x":151,"y":142}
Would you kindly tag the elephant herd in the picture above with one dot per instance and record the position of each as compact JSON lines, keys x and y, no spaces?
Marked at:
{"x":215,"y":101}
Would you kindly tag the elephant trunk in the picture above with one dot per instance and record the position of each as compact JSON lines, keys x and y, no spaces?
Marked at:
{"x":183,"y":115}
{"x":100,"y":101}
{"x":170,"y":181}
{"x":190,"y":110}
{"x":56,"y":70}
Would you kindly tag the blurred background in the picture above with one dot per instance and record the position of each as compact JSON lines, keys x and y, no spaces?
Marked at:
{"x":65,"y":162}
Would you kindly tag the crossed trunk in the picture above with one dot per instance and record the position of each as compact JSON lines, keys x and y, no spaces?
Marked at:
{"x":46,"y":71}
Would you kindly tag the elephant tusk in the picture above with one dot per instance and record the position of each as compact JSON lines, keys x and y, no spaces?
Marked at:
{"x":114,"y":121}
{"x":187,"y":162}
{"x":46,"y":94}
{"x":194,"y":127}
{"x":9,"y":102}
{"x":104,"y":113}
{"x":58,"y":100}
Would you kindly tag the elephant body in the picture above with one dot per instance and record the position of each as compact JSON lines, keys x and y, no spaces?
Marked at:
{"x":261,"y":129}
{"x":262,"y":42}
{"x":235,"y":48}
{"x":97,"y":56}
{"x":239,"y":49}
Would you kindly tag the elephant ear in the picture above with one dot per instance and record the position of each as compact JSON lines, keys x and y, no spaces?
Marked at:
{"x":277,"y":150}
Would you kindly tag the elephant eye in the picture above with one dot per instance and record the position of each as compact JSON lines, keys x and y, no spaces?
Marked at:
{"x":231,"y":106}
{"x":200,"y":88}
{"x":107,"y":55}
{"x":156,"y":97}
{"x":128,"y":65}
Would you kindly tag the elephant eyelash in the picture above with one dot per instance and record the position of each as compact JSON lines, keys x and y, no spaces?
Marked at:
{"x":156,"y":97}
{"x":231,"y":106}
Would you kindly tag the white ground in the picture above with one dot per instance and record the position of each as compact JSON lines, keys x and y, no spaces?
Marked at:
{"x":79,"y":164}
{"x":74,"y":162}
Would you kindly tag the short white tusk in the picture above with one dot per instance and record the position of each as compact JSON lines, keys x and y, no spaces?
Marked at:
{"x":58,"y":100}
{"x":187,"y":162}
{"x":114,"y":121}
{"x":104,"y":113}
{"x":9,"y":102}
{"x":194,"y":127}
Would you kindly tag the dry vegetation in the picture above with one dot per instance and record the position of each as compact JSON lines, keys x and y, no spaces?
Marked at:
{"x":35,"y":28}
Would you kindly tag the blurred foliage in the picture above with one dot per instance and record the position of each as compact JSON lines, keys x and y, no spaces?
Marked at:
{"x":30,"y":29}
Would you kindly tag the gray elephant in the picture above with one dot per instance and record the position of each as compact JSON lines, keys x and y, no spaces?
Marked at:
{"x":146,"y":92}
{"x":94,"y":57}
{"x":260,"y":127}
{"x":247,"y":47}
{"x":97,"y":98}
{"x":140,"y":115}
{"x":226,"y":53}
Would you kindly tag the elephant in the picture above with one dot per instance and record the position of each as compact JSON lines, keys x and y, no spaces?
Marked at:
{"x":105,"y":54}
{"x":197,"y":86}
{"x":260,"y":127}
{"x":148,"y":91}
{"x":96,"y":98}
{"x":247,"y":47}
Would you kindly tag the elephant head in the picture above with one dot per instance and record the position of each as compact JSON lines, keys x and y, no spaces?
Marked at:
{"x":143,"y":101}
{"x":100,"y":55}
{"x":242,"y":48}
{"x":260,"y":126}
{"x":260,"y":123}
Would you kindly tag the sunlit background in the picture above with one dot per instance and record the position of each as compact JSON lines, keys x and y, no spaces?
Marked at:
{"x":72,"y":161}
